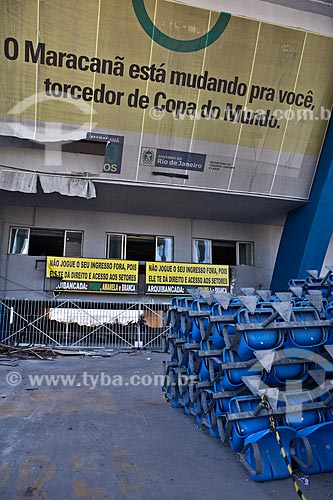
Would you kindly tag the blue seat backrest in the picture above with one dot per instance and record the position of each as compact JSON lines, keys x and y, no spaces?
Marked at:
{"x":297,"y":282}
{"x":200,"y":305}
{"x":304,"y":418}
{"x":260,"y":315}
{"x":248,"y":426}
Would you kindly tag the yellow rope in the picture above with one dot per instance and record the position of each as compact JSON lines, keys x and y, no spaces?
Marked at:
{"x":265,"y":404}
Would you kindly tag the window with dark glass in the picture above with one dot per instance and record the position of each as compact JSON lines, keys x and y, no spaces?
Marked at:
{"x":245,"y":253}
{"x":164,"y":248}
{"x":115,"y":246}
{"x":139,"y":247}
{"x":223,"y":252}
{"x":43,"y":242}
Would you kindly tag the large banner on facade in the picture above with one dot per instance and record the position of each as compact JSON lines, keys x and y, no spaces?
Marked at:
{"x":177,"y":278}
{"x":198,"y":98}
{"x":94,"y":275}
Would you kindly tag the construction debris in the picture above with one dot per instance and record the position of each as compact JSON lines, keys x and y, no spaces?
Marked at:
{"x":26,"y":352}
{"x":44,"y":352}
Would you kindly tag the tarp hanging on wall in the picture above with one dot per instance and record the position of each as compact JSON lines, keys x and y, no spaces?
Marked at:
{"x":25,"y":182}
{"x":67,"y":186}
{"x":94,"y":317}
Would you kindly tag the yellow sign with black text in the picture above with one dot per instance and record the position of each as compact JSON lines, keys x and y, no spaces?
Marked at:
{"x":94,"y":275}
{"x":170,"y":278}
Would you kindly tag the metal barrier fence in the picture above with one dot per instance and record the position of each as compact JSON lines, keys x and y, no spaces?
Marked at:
{"x":82,"y":324}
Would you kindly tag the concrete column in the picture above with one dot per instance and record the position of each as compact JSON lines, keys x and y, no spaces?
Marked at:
{"x":308,"y":229}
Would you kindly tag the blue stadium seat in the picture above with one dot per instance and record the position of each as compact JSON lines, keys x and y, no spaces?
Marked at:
{"x":262,"y":454}
{"x":257,"y":340}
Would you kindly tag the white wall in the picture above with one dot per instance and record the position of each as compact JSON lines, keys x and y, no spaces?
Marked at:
{"x":266,"y":241}
{"x":22,"y":270}
{"x":96,"y":224}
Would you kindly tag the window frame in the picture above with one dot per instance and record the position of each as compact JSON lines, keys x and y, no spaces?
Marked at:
{"x":238,"y":243}
{"x":66,"y":231}
{"x":36,"y":229}
{"x":126,"y":236}
{"x":156,"y":247}
{"x":194,"y":253}
{"x":15,"y":228}
{"x":237,"y":250}
{"x":123,"y":245}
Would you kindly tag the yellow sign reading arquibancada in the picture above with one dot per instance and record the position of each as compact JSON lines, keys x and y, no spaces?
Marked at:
{"x":94,"y":275}
{"x":177,"y":278}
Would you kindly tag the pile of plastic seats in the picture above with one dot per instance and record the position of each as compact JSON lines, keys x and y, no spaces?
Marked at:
{"x":228,"y":354}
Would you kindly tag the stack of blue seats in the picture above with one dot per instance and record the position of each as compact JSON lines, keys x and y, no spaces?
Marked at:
{"x":228,"y":354}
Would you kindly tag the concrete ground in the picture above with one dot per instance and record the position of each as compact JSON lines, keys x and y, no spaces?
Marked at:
{"x":94,"y":435}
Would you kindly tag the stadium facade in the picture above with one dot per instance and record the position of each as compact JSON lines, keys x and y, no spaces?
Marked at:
{"x":172,"y":139}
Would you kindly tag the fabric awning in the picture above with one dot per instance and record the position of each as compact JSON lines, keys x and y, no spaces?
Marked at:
{"x":25,"y":182}
{"x":84,"y":188}
{"x":94,"y":317}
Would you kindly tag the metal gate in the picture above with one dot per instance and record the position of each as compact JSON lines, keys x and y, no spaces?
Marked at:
{"x":82,"y":324}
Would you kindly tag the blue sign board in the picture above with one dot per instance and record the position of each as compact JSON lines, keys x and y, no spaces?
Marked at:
{"x":165,"y":158}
